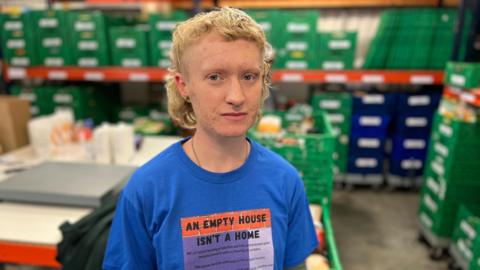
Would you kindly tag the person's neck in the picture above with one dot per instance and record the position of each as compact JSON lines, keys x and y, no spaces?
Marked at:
{"x":217,"y":154}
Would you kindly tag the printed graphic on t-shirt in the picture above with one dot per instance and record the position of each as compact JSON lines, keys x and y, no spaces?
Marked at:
{"x":240,"y":240}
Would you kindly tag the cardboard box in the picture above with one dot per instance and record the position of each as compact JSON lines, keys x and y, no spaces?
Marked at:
{"x":15,"y":114}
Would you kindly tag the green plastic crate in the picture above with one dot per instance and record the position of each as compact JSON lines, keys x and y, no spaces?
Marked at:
{"x":17,"y":39}
{"x":464,"y":75}
{"x":129,"y":46}
{"x":332,"y":254}
{"x":270,"y":21}
{"x":466,"y":236}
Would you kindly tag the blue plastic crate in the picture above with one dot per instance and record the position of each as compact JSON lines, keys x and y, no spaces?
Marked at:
{"x":367,"y":145}
{"x":409,"y":167}
{"x":408,"y":147}
{"x":412,"y":125}
{"x":374,"y":104}
{"x":370,"y":125}
{"x":365,"y":164}
{"x":418,"y":103}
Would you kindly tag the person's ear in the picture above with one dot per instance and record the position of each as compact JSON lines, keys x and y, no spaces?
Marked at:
{"x":181,"y":85}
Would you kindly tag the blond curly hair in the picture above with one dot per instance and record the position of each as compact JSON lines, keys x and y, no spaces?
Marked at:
{"x":232,"y":24}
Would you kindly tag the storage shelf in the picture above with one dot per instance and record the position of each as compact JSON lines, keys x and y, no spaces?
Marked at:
{"x":152,"y":74}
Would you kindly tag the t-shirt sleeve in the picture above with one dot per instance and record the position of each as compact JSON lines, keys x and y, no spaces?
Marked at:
{"x":301,"y":237}
{"x":129,"y":244}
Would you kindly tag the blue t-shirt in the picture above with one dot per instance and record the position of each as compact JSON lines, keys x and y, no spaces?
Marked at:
{"x":175,"y":215}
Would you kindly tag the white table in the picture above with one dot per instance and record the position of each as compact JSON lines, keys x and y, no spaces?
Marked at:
{"x":29,"y":233}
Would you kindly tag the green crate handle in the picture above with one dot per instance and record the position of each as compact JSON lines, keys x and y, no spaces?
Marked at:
{"x":332,"y":247}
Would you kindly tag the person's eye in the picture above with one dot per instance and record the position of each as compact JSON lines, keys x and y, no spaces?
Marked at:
{"x":250,"y":76}
{"x":214,"y":77}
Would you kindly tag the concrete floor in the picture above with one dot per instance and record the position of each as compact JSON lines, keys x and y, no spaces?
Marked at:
{"x":377,"y":230}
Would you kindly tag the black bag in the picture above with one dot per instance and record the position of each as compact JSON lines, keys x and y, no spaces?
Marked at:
{"x":83,"y":244}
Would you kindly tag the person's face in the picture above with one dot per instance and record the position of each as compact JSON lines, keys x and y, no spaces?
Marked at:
{"x":224,"y":82}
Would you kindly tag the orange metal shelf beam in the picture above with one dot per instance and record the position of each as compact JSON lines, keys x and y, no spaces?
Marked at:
{"x":151,"y":74}
{"x":29,"y":254}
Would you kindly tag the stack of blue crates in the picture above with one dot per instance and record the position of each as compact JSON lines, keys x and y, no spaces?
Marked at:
{"x":410,"y":133}
{"x":370,"y":120}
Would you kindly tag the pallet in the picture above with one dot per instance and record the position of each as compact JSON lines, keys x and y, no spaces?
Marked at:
{"x":396,"y":182}
{"x":372,"y":180}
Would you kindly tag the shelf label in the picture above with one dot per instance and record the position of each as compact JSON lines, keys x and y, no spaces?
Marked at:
{"x":329,"y":65}
{"x":374,"y":78}
{"x":411,"y":164}
{"x":84,"y":26}
{"x":166,"y":25}
{"x":336,"y":118}
{"x":16,"y":44}
{"x":57,"y":75}
{"x":297,"y":46}
{"x":330,"y":104}
{"x":370,"y":121}
{"x":418,"y":101}
{"x":48,"y":23}
{"x":457,"y":79}
{"x":467,"y":229}
{"x":366,"y":162}
{"x":292,"y":77}
{"x":441,"y":149}
{"x":13,"y":25}
{"x":94,"y":76}
{"x":430,"y":203}
{"x":17,"y":73}
{"x":446,"y":130}
{"x":339,"y":44}
{"x":433,"y":186}
{"x":20,"y":61}
{"x":335,"y":78}
{"x":416,"y":122}
{"x":421,"y":79}
{"x":368,"y":143}
{"x":139,"y":77}
{"x":373,"y":99}
{"x":88,"y":62}
{"x":414,"y":144}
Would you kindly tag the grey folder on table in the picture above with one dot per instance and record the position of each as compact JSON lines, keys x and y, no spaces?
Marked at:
{"x":73,"y":184}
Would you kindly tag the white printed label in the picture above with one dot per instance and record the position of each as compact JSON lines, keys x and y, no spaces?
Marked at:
{"x":28,"y":96}
{"x":52,"y":42}
{"x":63,"y":98}
{"x":457,"y":79}
{"x":131,"y":62}
{"x":467,"y":97}
{"x":464,"y":249}
{"x":298,"y":27}
{"x":166,"y":26}
{"x":426,"y":220}
{"x":84,"y":26}
{"x":336,"y":118}
{"x":88,"y":62}
{"x":87,"y":45}
{"x":54,"y":61}
{"x":421,"y":79}
{"x":418,"y":101}
{"x":165,"y":45}
{"x":368,"y":143}
{"x":441,"y":149}
{"x":428,"y":201}
{"x":48,"y":23}
{"x":20,"y":61}
{"x":330,"y":104}
{"x":373,"y":79}
{"x":139,"y":77}
{"x":127,"y":43}
{"x":57,"y":75}
{"x":370,"y":121}
{"x":373,"y":99}
{"x":292,"y":77}
{"x":296,"y":64}
{"x":416,"y":122}
{"x":467,"y":229}
{"x":127,"y":115}
{"x":13,"y":25}
{"x":266,"y":26}
{"x":94,"y":76}
{"x":336,"y":130}
{"x":414,"y":144}
{"x":437,"y":168}
{"x":411,"y":164}
{"x":16,"y":43}
{"x":339,"y":44}
{"x":335,"y":78}
{"x":17,"y":73}
{"x":329,"y":65}
{"x":366,"y":162}
{"x":433,"y":186}
{"x":297,"y":46}
{"x":446,"y":130}
{"x":164,"y":63}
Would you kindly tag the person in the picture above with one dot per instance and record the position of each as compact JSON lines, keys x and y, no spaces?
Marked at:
{"x":216,"y":200}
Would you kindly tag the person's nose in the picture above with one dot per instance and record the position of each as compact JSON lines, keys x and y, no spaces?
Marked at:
{"x":235,"y":94}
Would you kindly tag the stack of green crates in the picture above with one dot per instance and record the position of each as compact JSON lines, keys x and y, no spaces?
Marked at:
{"x":297,"y":45}
{"x":379,"y":46}
{"x":463,"y":75}
{"x":29,"y":94}
{"x":442,"y":44}
{"x":338,"y":107}
{"x":337,"y":50}
{"x":88,"y":38}
{"x":270,"y":22}
{"x":311,"y":154}
{"x":51,"y":37}
{"x":17,"y":39}
{"x":128,"y":114}
{"x":161,"y":28}
{"x":465,"y":246}
{"x":129,"y":46}
{"x":451,"y":175}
